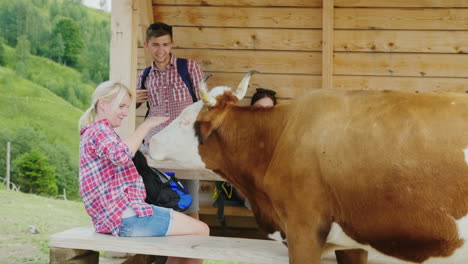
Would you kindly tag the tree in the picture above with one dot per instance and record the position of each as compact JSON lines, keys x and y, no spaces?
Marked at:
{"x":23,"y":52}
{"x":57,"y":48}
{"x":35,"y":173}
{"x":71,"y":35}
{"x":2,"y":53}
{"x":65,"y":169}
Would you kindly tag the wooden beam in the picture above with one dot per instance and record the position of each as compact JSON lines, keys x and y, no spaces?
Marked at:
{"x":402,"y":18}
{"x":145,"y":19}
{"x":242,"y":17}
{"x":401,"y":3}
{"x":401,"y":64}
{"x":327,"y":44}
{"x":262,"y":3}
{"x":123,"y":54}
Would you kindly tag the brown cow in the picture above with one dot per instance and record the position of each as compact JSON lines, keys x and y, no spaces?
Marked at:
{"x":383,"y":171}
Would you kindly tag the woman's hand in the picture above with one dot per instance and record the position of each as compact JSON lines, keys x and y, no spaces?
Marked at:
{"x":155,"y":121}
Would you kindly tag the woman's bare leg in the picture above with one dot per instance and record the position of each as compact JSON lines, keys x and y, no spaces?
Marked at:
{"x":185,"y":225}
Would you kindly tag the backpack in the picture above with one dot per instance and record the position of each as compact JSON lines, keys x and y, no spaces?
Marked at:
{"x":225,"y":194}
{"x":182,"y":69}
{"x":162,"y":189}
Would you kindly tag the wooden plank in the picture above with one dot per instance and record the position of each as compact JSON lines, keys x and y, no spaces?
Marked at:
{"x":401,"y":3}
{"x":290,"y":86}
{"x":262,"y":61}
{"x":327,"y":43}
{"x":399,"y":18}
{"x":228,"y":210}
{"x":202,"y":247}
{"x":123,"y":55}
{"x":318,"y":3}
{"x":401,"y":41}
{"x":231,"y":221}
{"x":247,"y":38}
{"x":243,"y":17}
{"x":284,"y":62}
{"x":420,"y":84}
{"x":285,"y":85}
{"x":310,"y":40}
{"x":282,"y":3}
{"x":399,"y":64}
{"x":184,"y":172}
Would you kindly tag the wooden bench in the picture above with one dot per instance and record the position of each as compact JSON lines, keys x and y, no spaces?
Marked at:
{"x":80,"y":245}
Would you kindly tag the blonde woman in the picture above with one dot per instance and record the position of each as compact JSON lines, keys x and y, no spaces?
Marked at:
{"x":110,"y":186}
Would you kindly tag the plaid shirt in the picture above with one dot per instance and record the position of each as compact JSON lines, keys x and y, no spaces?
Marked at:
{"x":167,"y":93}
{"x":109,"y":181}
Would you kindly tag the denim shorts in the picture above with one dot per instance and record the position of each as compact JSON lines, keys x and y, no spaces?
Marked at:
{"x":157,"y":224}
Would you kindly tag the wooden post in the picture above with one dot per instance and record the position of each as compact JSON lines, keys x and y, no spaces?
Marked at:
{"x":8,"y":166}
{"x":123,"y":54}
{"x":327,"y":43}
{"x":64,"y":194}
{"x":73,"y":256}
{"x":146,"y":18}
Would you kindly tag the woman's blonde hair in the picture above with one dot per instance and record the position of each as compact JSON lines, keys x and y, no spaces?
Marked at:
{"x":107,"y":91}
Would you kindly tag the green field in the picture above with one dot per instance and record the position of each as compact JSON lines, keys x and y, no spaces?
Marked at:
{"x":20,"y":210}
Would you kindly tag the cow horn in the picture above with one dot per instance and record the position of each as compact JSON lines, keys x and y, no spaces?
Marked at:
{"x":207,"y":99}
{"x":243,"y":85}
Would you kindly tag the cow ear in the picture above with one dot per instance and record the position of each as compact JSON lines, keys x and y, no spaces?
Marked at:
{"x":203,"y":129}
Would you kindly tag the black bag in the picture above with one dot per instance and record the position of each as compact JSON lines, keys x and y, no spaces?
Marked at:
{"x":162,"y":189}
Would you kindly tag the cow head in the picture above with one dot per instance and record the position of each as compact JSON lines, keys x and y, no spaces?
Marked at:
{"x":180,"y":139}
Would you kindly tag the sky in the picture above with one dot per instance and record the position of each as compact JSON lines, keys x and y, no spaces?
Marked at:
{"x":95,"y":4}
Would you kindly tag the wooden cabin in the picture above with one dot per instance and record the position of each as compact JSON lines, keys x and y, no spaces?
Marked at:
{"x":301,"y":45}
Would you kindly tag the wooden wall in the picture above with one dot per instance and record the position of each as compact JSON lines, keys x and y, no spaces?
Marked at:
{"x":415,"y":45}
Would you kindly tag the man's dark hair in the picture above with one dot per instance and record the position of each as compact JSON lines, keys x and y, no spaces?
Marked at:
{"x":262,"y":93}
{"x":158,"y":29}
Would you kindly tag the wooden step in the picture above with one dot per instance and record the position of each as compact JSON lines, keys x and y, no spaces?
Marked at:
{"x":228,"y":210}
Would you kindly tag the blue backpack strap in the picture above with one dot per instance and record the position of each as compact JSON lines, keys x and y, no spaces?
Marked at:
{"x":143,"y":87}
{"x":182,"y":69}
{"x":143,"y":77}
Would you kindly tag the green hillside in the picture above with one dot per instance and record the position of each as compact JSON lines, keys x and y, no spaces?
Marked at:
{"x":24,"y":103}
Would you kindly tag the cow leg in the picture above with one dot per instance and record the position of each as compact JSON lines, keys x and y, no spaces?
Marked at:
{"x":304,"y":246}
{"x":351,"y":256}
{"x":301,"y":252}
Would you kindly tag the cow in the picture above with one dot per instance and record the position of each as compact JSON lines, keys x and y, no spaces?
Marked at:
{"x":383,"y":171}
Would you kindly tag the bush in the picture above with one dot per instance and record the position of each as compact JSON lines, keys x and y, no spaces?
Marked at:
{"x":35,"y":173}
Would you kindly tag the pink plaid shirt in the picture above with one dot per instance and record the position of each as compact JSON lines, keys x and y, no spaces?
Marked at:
{"x":167,"y":93}
{"x":109,"y":181}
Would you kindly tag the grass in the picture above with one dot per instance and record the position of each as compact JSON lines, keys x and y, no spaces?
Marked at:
{"x":19,"y":210}
{"x":35,"y":106}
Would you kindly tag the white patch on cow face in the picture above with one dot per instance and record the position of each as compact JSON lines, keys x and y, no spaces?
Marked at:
{"x":178,"y":141}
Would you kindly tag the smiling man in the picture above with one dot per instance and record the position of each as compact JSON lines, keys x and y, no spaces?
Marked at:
{"x":161,"y":85}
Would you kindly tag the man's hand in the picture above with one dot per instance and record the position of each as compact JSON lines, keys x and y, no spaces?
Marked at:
{"x":141,"y":96}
